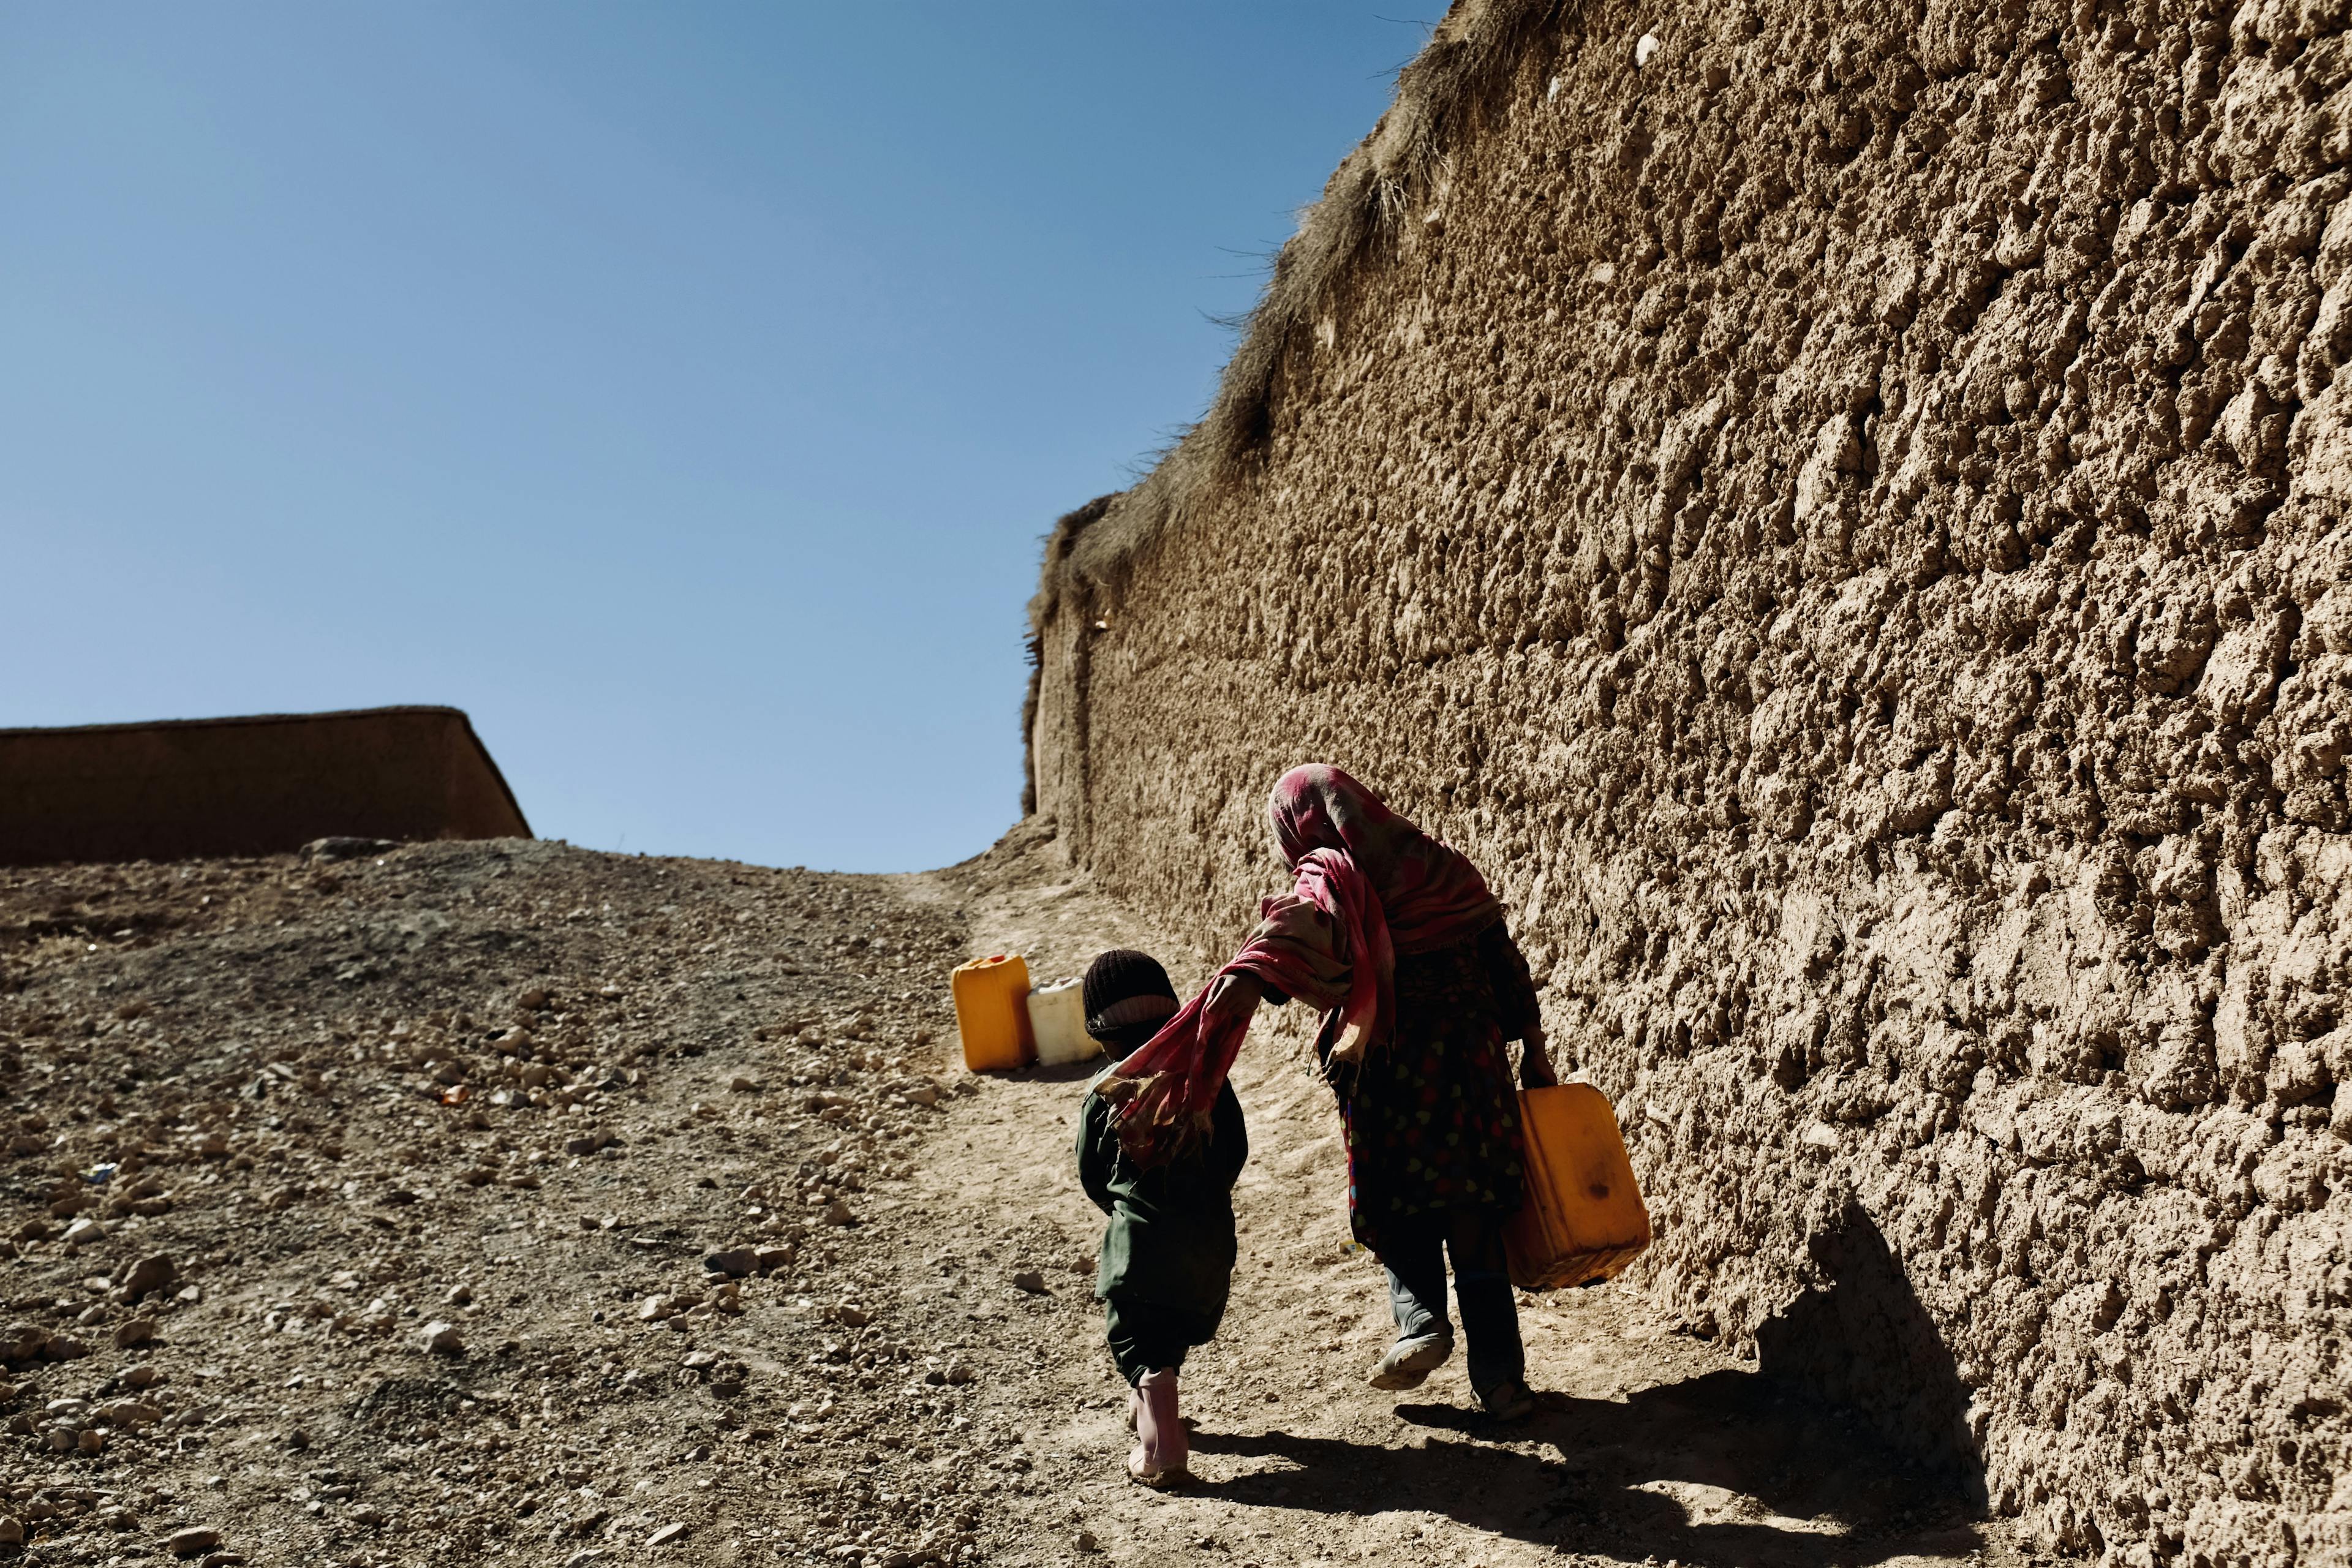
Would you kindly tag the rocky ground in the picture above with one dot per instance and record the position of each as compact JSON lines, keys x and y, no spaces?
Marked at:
{"x":510,"y":1201}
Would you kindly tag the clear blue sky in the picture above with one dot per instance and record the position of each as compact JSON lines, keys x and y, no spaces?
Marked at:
{"x":680,"y":389}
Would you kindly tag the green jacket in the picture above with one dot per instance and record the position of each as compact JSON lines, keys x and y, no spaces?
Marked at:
{"x":1171,"y":1237}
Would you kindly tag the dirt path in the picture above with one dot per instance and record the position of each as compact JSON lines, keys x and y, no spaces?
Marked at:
{"x":1657,"y":1447}
{"x":517,"y":1204}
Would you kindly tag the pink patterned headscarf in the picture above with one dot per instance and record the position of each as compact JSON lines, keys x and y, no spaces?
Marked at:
{"x":1367,"y":885}
{"x":1429,"y":895}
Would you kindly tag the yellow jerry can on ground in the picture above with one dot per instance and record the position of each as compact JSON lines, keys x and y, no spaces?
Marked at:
{"x":1584,"y":1219}
{"x":991,"y":1003}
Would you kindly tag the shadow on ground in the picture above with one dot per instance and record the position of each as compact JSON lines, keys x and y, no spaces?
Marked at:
{"x":1862,"y":1341}
{"x":1727,"y":1470}
{"x":1063,"y":1072}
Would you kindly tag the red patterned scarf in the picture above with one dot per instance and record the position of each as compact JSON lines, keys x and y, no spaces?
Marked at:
{"x":1367,"y":885}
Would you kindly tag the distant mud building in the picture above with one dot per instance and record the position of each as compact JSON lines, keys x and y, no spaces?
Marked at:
{"x":181,"y":788}
{"x":1841,"y":510}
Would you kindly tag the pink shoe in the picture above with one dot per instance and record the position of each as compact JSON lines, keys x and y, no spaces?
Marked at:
{"x":1162,"y":1455}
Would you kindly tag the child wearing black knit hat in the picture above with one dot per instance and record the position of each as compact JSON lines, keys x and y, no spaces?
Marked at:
{"x":1167,"y":1259}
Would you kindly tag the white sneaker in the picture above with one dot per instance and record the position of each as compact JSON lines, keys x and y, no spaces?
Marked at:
{"x":1509,"y":1401}
{"x":1410,"y":1361}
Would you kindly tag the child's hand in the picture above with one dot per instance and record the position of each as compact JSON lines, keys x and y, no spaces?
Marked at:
{"x":1232,"y":997}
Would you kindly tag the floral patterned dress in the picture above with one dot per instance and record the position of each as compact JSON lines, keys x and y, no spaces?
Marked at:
{"x":1433,"y":1115}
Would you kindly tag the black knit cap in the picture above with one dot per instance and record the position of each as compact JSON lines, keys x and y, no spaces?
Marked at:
{"x":1127,"y":996}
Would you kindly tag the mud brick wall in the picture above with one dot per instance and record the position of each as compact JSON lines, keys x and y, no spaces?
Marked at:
{"x":1840,"y":509}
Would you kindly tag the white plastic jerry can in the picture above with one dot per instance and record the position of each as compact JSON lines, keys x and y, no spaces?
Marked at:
{"x":1057,"y":1019}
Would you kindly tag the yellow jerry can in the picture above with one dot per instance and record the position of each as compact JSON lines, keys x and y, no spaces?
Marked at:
{"x":991,"y":1003}
{"x":1584,"y":1219}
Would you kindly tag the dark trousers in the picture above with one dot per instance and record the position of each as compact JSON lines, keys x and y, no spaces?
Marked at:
{"x":1146,"y":1336}
{"x":1415,"y":1255}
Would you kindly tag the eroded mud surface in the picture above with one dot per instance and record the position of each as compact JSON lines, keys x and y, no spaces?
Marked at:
{"x":1839,"y":512}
